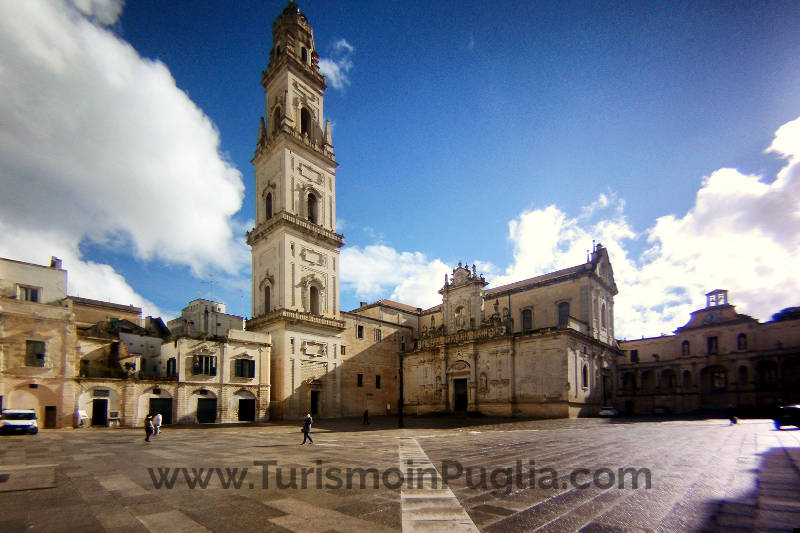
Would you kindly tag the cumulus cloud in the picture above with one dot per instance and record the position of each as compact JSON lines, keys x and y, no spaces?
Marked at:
{"x":99,"y":144}
{"x":338,"y":65}
{"x":374,"y":271}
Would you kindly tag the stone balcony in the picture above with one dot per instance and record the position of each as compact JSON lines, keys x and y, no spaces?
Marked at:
{"x":306,"y":226}
{"x":293,"y":317}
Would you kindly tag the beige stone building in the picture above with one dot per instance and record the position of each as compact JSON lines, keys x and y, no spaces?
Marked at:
{"x":81,"y":361}
{"x":540,"y":347}
{"x":719,"y":358}
{"x":37,"y":341}
{"x":549,"y":352}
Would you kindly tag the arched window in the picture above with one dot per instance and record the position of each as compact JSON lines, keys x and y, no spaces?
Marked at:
{"x":313,"y":300}
{"x":267,"y":299}
{"x":741,"y":342}
{"x":312,"y":208}
{"x":527,"y":320}
{"x":276,"y":120}
{"x":603,"y":315}
{"x":305,"y":122}
{"x":303,"y":54}
{"x":685,"y":348}
{"x":563,"y":313}
{"x":269,"y":205}
{"x":585,"y":376}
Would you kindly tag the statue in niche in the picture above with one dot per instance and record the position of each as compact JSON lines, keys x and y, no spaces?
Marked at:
{"x":496,"y":305}
{"x":484,"y":382}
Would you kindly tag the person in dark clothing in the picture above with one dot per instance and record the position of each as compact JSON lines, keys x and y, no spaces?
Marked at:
{"x":307,"y":429}
{"x":148,"y":427}
{"x":732,"y":415}
{"x":366,"y":417}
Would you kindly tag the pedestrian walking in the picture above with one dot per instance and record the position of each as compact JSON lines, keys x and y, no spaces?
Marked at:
{"x":148,"y":427}
{"x":157,"y":424}
{"x":307,"y":429}
{"x":365,"y":420}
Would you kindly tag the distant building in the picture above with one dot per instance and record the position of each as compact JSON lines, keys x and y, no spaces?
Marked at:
{"x":205,"y":317}
{"x":719,"y":358}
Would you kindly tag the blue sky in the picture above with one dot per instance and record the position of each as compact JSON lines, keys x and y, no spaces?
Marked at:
{"x":507,"y":134}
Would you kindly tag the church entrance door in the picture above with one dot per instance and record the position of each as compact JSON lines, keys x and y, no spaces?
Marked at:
{"x":460,"y":398}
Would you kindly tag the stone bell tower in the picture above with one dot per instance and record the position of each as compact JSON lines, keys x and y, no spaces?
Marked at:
{"x":294,"y":245}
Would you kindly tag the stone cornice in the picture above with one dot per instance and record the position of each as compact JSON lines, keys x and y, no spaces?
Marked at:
{"x":295,"y":317}
{"x":325,"y":151}
{"x":283,"y":218}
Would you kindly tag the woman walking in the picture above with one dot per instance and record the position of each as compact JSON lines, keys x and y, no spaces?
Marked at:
{"x":148,"y":427}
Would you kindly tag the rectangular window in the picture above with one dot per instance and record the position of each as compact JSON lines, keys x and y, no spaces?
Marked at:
{"x":377,"y":335}
{"x":377,"y":382}
{"x":527,"y":320}
{"x":245,"y":368}
{"x":360,"y":332}
{"x":291,"y":345}
{"x":713,"y":345}
{"x":34,"y":353}
{"x":28,"y":294}
{"x":634,"y":356}
{"x":360,"y":379}
{"x":204,"y":365}
{"x":344,"y":351}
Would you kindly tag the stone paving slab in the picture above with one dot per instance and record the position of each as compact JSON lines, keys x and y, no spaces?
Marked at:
{"x":706,"y":476}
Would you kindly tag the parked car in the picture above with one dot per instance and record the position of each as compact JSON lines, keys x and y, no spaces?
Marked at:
{"x":608,"y":411}
{"x":19,"y":421}
{"x":787,"y":415}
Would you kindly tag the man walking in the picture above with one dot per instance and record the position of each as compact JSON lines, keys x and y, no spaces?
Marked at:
{"x":157,"y":424}
{"x":307,"y":429}
{"x":148,"y":427}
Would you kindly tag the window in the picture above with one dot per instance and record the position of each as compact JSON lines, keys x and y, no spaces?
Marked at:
{"x":685,"y":348}
{"x":204,"y":365}
{"x":28,"y":294}
{"x":303,"y":54}
{"x":585,"y":377}
{"x":291,"y":345}
{"x":377,"y":335}
{"x":172,"y":367}
{"x":34,"y":353}
{"x":312,"y":208}
{"x":245,"y":368}
{"x":344,"y":352}
{"x":713,"y":345}
{"x":377,"y":382}
{"x":360,"y":332}
{"x":269,"y":205}
{"x":719,"y":380}
{"x":634,"y":356}
{"x":603,"y":315}
{"x":313,"y":297}
{"x":741,"y":342}
{"x":267,"y":302}
{"x":276,"y":120}
{"x":305,"y":122}
{"x":527,"y":320}
{"x":563,"y":313}
{"x":360,"y":380}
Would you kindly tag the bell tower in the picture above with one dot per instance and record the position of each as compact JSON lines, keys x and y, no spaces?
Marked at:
{"x":294,"y":245}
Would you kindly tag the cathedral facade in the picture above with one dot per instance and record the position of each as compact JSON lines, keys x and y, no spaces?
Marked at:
{"x":543,"y":346}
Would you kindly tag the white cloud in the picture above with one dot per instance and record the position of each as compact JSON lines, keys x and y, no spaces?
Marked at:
{"x":99,"y":144}
{"x":377,"y":270}
{"x":337,"y":67}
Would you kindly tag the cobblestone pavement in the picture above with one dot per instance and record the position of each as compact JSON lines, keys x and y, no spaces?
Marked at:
{"x":502,"y":476}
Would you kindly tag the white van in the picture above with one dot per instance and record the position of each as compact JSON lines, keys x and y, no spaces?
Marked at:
{"x":19,"y":421}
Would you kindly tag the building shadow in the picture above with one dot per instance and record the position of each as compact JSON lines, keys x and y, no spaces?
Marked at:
{"x":771,"y":504}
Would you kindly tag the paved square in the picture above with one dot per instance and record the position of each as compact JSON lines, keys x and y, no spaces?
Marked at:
{"x":552,"y":475}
